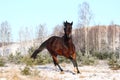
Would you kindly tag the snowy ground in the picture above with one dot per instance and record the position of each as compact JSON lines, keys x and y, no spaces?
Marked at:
{"x":48,"y":72}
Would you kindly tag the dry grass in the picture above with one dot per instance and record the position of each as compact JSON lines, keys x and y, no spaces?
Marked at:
{"x":10,"y":74}
{"x":47,"y":72}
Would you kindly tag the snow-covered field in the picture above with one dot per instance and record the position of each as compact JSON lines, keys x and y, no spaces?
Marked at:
{"x":100,"y":71}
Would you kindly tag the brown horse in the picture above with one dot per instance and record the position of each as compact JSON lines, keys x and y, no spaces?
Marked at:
{"x":62,"y":46}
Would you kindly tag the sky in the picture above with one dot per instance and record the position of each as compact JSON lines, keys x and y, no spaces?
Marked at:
{"x":31,"y":13}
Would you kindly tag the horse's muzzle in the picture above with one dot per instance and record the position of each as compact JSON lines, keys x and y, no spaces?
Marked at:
{"x":70,"y":35}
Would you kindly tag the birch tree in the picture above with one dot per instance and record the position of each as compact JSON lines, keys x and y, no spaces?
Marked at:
{"x":58,"y":31}
{"x":5,"y":35}
{"x":25,"y":38}
{"x":41,"y":32}
{"x":85,"y":16}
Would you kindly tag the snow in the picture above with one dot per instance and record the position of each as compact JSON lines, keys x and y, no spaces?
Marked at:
{"x":100,"y":71}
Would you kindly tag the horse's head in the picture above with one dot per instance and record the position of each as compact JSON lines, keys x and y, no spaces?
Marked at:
{"x":68,"y":29}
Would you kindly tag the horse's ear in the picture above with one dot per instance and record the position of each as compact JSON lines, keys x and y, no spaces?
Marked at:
{"x":64,"y":23}
{"x":72,"y":23}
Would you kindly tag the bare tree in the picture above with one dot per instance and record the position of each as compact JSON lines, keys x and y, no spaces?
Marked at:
{"x":5,"y":34}
{"x":41,"y":31}
{"x":85,"y":16}
{"x":58,"y":30}
{"x":79,"y":39}
{"x":25,"y":38}
{"x":99,"y":38}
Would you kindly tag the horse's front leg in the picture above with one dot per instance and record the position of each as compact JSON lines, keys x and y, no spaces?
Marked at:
{"x":75,"y":66}
{"x":73,"y":59}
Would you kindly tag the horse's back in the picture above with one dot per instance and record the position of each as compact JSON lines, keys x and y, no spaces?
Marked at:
{"x":55,"y":44}
{"x":55,"y":41}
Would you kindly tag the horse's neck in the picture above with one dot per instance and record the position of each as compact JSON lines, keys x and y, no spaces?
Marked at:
{"x":67,"y":41}
{"x":68,"y":44}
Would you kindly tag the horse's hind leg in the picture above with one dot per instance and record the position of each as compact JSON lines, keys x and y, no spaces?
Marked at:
{"x":56,"y":63}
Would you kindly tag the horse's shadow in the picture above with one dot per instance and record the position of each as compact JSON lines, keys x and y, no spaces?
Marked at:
{"x":54,"y":69}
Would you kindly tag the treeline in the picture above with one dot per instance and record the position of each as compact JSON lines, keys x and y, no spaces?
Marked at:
{"x":97,"y":39}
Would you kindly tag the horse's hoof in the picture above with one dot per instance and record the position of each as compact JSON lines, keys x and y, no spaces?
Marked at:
{"x":75,"y":70}
{"x":78,"y":72}
{"x":62,"y":72}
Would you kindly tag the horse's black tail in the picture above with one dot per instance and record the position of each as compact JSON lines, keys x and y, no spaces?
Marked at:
{"x":42,"y":46}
